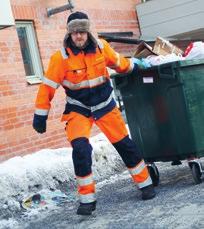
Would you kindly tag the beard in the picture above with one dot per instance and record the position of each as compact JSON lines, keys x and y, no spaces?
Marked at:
{"x":81,"y":44}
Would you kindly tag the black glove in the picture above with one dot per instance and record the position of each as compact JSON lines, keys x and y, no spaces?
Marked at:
{"x":135,"y":69}
{"x":39,"y":123}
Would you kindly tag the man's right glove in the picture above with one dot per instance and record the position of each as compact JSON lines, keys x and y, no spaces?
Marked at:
{"x":39,"y":123}
{"x":140,"y":63}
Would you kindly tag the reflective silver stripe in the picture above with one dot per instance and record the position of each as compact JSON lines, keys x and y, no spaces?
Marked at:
{"x":92,"y":108}
{"x":76,"y":102}
{"x":118,"y":60}
{"x":131,"y":65}
{"x":145,"y":183}
{"x":100,"y":44}
{"x":103,"y":104}
{"x":85,"y":181}
{"x":117,"y":64}
{"x":63,"y":53}
{"x":41,"y":112}
{"x":137,"y":169}
{"x":88,"y":198}
{"x":50,"y":83}
{"x":86,"y":83}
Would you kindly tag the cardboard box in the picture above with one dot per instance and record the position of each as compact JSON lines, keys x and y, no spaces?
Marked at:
{"x":164,"y":47}
{"x":143,"y":50}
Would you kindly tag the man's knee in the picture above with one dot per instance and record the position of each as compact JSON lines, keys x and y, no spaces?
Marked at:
{"x":128,"y":151}
{"x":81,"y":155}
{"x":126,"y":144}
{"x":81,"y":144}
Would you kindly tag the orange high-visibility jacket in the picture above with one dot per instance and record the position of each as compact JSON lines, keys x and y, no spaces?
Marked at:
{"x":85,"y":79}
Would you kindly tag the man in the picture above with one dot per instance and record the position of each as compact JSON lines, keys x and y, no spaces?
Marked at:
{"x":80,"y":67}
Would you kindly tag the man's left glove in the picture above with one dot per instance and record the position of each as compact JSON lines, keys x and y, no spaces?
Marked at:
{"x":39,"y":123}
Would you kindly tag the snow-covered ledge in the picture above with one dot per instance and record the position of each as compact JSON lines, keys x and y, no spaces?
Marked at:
{"x":46,"y":169}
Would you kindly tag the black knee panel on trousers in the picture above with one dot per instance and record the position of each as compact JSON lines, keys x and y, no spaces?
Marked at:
{"x":128,"y":151}
{"x":81,"y":156}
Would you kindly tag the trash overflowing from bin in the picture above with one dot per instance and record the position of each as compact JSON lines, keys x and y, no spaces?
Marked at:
{"x":46,"y":197}
{"x":164,"y":51}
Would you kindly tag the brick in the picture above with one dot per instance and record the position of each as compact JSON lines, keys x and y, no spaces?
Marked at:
{"x":17,"y":97}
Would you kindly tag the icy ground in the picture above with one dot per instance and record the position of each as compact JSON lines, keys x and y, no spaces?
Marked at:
{"x":46,"y":170}
{"x":179,"y":203}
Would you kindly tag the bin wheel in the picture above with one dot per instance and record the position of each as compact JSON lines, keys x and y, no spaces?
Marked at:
{"x":196,"y":173}
{"x":154,"y":174}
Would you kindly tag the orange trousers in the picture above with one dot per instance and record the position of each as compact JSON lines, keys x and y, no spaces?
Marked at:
{"x":78,"y":130}
{"x":111,"y":124}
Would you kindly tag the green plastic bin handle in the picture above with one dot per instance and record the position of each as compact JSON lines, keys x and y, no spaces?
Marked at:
{"x":173,"y":86}
{"x":167,"y":71}
{"x":122,"y":82}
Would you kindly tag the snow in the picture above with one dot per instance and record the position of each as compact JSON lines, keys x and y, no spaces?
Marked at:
{"x":44,"y":167}
{"x":22,"y":176}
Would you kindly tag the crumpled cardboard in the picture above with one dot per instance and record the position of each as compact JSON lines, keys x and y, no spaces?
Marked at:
{"x":164,"y":47}
{"x":143,"y":50}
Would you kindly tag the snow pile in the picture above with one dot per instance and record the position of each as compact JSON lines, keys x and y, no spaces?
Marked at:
{"x":45,"y":169}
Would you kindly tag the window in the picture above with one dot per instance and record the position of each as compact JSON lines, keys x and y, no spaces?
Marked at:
{"x":29,"y":51}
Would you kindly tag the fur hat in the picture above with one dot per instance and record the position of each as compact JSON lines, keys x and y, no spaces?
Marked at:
{"x":78,"y":22}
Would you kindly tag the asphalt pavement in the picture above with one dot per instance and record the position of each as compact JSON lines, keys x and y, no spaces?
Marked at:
{"x":179,"y":204}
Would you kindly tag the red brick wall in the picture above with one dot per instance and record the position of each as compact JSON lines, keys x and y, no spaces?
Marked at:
{"x":17,"y":97}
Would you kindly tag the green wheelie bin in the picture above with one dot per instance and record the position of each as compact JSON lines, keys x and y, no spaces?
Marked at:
{"x":164,"y":107}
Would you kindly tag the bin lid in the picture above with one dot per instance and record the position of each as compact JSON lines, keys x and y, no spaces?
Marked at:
{"x":183,"y":63}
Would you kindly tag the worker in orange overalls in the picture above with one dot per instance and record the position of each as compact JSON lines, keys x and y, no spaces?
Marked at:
{"x":80,"y":67}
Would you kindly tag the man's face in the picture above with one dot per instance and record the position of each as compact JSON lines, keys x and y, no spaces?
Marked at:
{"x":79,"y":38}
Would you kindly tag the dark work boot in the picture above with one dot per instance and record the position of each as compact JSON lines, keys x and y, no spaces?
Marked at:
{"x":148,"y":192}
{"x":86,"y":209}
